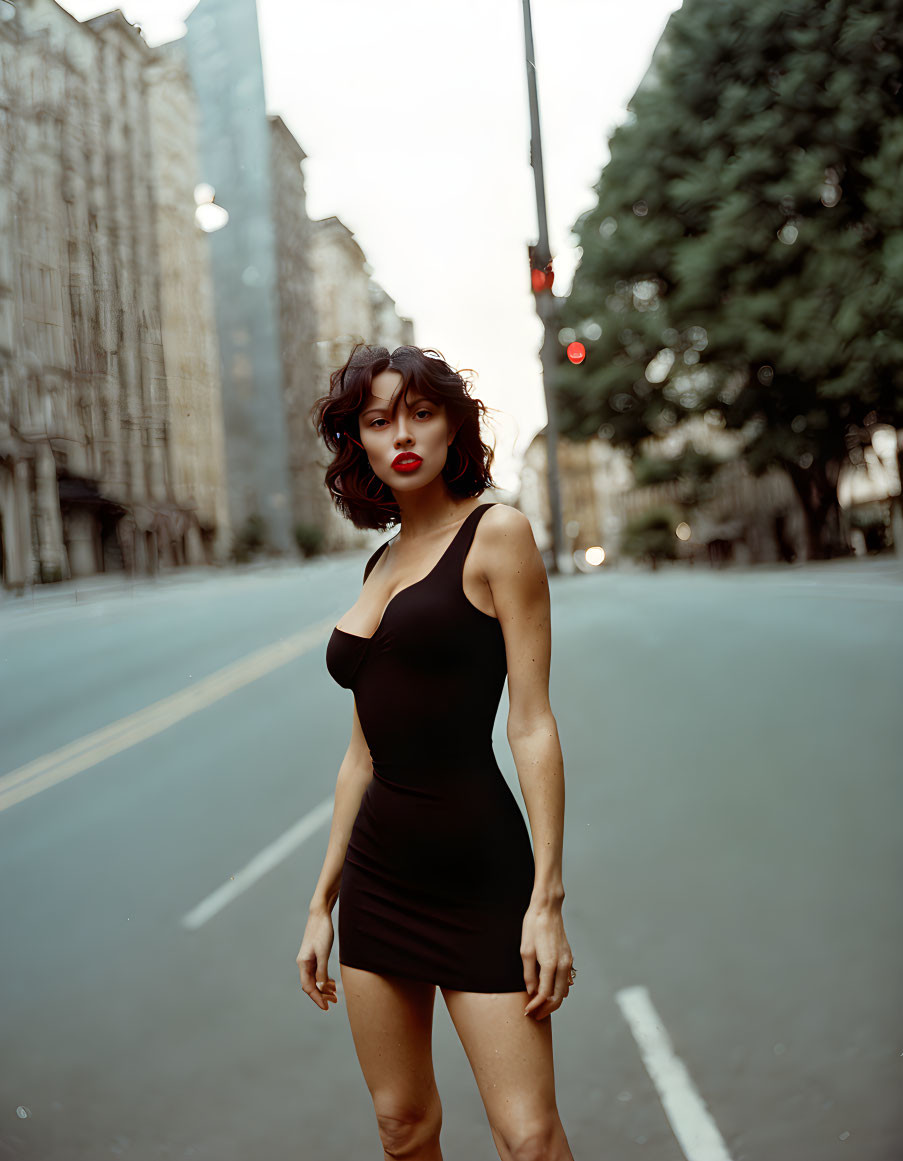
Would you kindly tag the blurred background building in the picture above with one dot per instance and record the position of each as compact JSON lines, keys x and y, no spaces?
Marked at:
{"x":158,"y":364}
{"x":594,"y":479}
{"x":239,"y":163}
{"x":86,"y":471}
{"x":293,"y":295}
{"x":736,"y":517}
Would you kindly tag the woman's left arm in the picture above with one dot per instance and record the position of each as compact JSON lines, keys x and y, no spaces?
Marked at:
{"x":520,"y":593}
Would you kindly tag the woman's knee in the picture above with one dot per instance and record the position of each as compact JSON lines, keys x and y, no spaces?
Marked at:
{"x":406,"y":1127}
{"x":533,"y":1138}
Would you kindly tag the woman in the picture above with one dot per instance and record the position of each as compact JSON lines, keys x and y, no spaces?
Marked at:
{"x":439,"y":886}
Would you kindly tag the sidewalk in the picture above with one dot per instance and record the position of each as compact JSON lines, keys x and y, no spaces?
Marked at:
{"x":103,"y":585}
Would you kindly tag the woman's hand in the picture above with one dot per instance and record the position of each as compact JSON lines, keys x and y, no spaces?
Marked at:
{"x":313,"y":959}
{"x":547,"y":959}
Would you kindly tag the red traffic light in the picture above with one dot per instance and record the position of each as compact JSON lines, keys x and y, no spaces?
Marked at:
{"x":541,"y":280}
{"x":541,"y":276}
{"x":576,"y":352}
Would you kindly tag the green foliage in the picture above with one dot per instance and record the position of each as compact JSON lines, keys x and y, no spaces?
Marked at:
{"x":691,"y":466}
{"x":654,"y":470}
{"x":746,"y":251}
{"x":250,"y":539}
{"x":650,"y":535}
{"x":309,"y":538}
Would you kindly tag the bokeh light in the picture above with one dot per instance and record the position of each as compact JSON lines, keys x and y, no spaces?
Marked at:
{"x":211,"y":217}
{"x":203,"y":193}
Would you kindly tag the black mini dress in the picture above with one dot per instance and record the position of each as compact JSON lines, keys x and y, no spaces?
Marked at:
{"x":439,"y":868}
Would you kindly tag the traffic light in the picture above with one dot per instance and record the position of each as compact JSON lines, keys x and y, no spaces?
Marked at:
{"x":541,"y":277}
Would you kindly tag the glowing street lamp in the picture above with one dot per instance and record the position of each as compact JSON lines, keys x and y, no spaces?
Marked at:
{"x":208,"y":215}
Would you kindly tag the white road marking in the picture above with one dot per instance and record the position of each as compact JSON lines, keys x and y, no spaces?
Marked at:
{"x":690,"y":1120}
{"x":263,"y":862}
{"x":85,"y":752}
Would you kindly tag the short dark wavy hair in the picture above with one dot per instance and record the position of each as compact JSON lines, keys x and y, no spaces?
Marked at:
{"x":357,"y":492}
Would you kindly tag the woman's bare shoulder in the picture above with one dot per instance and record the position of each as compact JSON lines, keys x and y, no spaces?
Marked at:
{"x":507,"y":536}
{"x":512,"y":565}
{"x":506,"y":521}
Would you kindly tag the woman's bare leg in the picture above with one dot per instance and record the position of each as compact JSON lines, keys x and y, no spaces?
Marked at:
{"x":392,"y":1026}
{"x":511,"y":1058}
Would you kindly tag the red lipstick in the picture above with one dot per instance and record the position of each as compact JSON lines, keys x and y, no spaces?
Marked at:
{"x":406,"y":462}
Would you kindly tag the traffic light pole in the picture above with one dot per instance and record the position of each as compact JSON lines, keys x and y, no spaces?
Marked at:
{"x":546,"y":306}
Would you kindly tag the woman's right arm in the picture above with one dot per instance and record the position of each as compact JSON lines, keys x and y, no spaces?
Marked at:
{"x":355,"y":772}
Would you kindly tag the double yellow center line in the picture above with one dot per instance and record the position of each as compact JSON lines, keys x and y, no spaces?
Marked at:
{"x":95,"y":747}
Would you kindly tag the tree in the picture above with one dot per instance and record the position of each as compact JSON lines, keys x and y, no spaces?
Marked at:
{"x":745,"y":255}
{"x":650,"y":535}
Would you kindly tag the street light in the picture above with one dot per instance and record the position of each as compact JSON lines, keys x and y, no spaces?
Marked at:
{"x":208,"y":215}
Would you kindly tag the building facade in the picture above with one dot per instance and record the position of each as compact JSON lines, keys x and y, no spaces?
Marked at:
{"x":85,"y":427}
{"x":593,"y":479}
{"x":869,"y":492}
{"x":191,"y":356}
{"x":297,"y":325}
{"x":236,"y":159}
{"x":156,"y":377}
{"x":745,"y":519}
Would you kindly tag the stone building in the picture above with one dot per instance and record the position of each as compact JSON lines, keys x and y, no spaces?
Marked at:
{"x":328,"y":300}
{"x":869,"y":492}
{"x":86,"y":478}
{"x":190,"y":352}
{"x":389,"y":329}
{"x":156,"y":380}
{"x":297,"y":323}
{"x":593,"y":477}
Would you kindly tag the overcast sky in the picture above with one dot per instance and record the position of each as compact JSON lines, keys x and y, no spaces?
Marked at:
{"x":415,"y":120}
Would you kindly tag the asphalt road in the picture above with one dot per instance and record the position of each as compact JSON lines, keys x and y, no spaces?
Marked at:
{"x":732,"y":746}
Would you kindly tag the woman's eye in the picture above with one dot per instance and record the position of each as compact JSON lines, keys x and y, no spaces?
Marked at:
{"x":420,"y":411}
